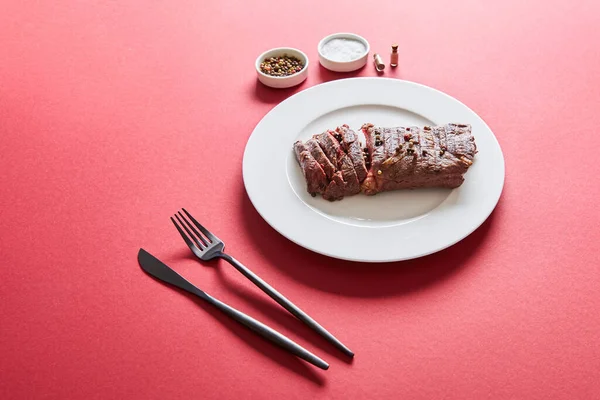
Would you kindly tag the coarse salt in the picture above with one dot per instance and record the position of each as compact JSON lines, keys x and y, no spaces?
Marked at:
{"x":342,"y":50}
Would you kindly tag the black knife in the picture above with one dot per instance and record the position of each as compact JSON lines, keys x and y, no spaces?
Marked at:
{"x":157,"y":269}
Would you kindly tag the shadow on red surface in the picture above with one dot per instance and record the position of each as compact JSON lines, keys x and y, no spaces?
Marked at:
{"x":262,"y":346}
{"x":266,"y":306}
{"x":347,"y":278}
{"x":273,"y":311}
{"x":326,"y":75}
{"x":269,"y":95}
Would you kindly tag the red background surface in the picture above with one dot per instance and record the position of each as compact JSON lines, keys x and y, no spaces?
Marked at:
{"x":115,"y":114}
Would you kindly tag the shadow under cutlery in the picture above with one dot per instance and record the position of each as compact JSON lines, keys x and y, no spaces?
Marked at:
{"x":274,"y":312}
{"x":267,"y":349}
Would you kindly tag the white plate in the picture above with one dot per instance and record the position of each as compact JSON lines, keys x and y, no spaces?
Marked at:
{"x":390,"y":226}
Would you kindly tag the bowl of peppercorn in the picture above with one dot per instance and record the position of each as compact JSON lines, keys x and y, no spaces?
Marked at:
{"x":282,"y":67}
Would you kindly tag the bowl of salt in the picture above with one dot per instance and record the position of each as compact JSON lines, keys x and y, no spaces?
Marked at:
{"x":343,"y":52}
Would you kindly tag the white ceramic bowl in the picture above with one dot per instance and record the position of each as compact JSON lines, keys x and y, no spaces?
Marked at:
{"x":343,"y":66}
{"x":281,"y":82}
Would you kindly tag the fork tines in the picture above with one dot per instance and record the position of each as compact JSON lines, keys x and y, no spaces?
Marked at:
{"x":201,"y":241}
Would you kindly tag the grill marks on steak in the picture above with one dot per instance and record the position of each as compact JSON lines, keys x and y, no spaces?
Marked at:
{"x":343,"y":163}
{"x":460,"y":143}
{"x":327,"y":168}
{"x":377,"y":155}
{"x":330,"y":146}
{"x":353,"y":149}
{"x":319,"y":155}
{"x":414,"y":157}
{"x":349,"y":174}
{"x":333,"y":162}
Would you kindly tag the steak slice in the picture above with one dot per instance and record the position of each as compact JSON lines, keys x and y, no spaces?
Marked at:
{"x":336,"y":188}
{"x":411,"y":157}
{"x":329,"y":145}
{"x":353,"y":149}
{"x":336,"y":155}
{"x":317,"y":153}
{"x":346,"y":167}
{"x":316,"y":180}
{"x":376,"y":151}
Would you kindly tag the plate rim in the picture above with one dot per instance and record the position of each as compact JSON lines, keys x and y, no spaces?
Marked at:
{"x":348,"y":81}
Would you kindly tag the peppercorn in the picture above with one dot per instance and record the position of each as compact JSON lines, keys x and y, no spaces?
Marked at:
{"x":281,"y":66}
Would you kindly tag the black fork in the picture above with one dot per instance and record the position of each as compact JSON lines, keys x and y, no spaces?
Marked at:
{"x":206,"y":246}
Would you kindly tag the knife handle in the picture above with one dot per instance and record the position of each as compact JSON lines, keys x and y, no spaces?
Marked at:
{"x":156,"y":268}
{"x":287,"y":304}
{"x":267,"y":333}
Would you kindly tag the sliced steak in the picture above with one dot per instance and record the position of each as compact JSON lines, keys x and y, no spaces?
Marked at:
{"x":338,"y":157}
{"x":336,"y":188}
{"x":346,"y":167}
{"x":316,"y":180}
{"x":335,"y":165}
{"x":317,"y":153}
{"x":376,"y":154}
{"x":406,"y":158}
{"x":330,"y":146}
{"x":353,"y":148}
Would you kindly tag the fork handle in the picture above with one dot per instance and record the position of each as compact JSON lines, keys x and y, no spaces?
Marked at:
{"x":285,"y":303}
{"x":267,"y":333}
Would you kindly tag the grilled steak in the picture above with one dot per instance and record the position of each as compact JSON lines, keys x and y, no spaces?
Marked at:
{"x":330,"y":146}
{"x":335,"y":164}
{"x":352,"y":184}
{"x":316,"y":180}
{"x":336,"y":188}
{"x":338,"y":157}
{"x":353,"y":148}
{"x":317,"y":153}
{"x":411,"y":157}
